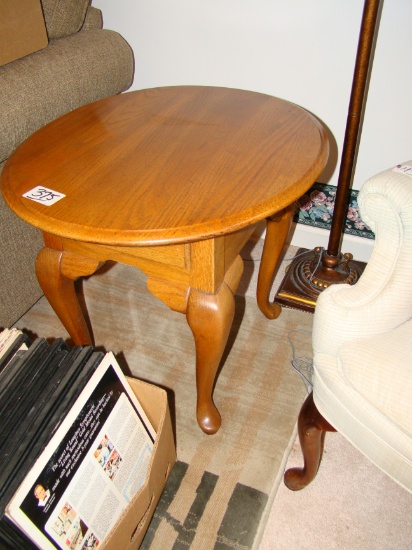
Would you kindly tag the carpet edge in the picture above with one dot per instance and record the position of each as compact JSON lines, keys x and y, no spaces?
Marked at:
{"x":275,"y":488}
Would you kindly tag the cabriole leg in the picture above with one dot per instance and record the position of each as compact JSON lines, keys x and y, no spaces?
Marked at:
{"x":312,"y":428}
{"x":277,"y":228}
{"x":210,"y":318}
{"x":56,"y":272}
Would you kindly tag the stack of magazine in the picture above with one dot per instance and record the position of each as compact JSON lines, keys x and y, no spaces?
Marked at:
{"x":75,"y":442}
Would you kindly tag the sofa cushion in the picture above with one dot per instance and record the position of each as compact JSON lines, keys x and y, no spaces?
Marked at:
{"x":64,"y":17}
{"x":380,"y":370}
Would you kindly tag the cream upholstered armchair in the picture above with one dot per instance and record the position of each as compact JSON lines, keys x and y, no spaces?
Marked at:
{"x":362,"y":342}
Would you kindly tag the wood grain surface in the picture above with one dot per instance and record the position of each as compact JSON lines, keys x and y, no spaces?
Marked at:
{"x":167,"y":165}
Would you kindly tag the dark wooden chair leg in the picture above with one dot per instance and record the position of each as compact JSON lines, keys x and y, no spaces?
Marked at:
{"x":312,"y":428}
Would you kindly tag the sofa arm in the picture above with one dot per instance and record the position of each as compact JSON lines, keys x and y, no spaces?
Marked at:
{"x":69,"y":73}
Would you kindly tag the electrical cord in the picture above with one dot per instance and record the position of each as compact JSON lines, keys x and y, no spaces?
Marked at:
{"x":302,"y":365}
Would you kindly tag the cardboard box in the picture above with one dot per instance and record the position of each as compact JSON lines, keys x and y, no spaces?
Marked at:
{"x":131,"y":527}
{"x":22,"y":29}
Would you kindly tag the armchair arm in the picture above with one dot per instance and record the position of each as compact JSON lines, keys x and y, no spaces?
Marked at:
{"x":382,"y":298}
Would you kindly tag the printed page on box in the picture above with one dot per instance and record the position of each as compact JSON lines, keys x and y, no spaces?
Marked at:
{"x":93,"y":466}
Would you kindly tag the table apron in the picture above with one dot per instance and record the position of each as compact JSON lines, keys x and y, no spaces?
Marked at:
{"x":201,"y":265}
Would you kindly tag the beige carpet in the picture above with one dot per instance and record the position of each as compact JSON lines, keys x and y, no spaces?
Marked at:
{"x":219,"y":490}
{"x":225,"y":490}
{"x":351,"y":505}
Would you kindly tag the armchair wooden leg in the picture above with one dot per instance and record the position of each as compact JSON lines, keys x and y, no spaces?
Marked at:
{"x":312,"y":428}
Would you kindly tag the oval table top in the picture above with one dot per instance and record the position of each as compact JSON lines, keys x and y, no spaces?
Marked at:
{"x":166,"y":165}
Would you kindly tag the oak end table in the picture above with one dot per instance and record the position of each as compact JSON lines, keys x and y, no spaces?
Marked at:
{"x":172,"y":181}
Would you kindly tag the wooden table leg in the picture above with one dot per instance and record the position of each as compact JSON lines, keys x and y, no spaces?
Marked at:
{"x":56,"y":272}
{"x":210,"y":318}
{"x":208,"y":302}
{"x":277,"y":228}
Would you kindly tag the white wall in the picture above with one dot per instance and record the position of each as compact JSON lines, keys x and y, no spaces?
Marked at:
{"x":300,"y":50}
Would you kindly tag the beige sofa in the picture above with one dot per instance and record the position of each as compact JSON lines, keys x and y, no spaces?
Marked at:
{"x":81,"y":63}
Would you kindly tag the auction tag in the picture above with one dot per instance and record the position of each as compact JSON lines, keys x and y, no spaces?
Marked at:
{"x":44,"y":195}
{"x":403,"y":169}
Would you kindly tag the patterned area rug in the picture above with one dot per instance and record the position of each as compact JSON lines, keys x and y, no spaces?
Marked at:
{"x":222,"y":487}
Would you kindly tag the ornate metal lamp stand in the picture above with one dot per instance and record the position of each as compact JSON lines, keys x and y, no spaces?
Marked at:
{"x":314,"y":270}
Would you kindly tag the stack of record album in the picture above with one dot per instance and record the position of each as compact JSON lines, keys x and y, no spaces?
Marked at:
{"x":39,"y":383}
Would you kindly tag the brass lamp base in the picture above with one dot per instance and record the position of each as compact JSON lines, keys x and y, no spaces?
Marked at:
{"x":307,"y":277}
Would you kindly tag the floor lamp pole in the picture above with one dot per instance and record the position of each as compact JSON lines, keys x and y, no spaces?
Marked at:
{"x":353,"y":123}
{"x":312,"y":272}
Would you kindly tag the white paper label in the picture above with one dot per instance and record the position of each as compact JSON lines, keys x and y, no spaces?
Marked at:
{"x":44,"y":195}
{"x":403,"y":169}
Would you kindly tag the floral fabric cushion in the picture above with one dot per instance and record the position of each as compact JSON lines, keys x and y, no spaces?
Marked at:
{"x":317,"y":205}
{"x":64,"y":17}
